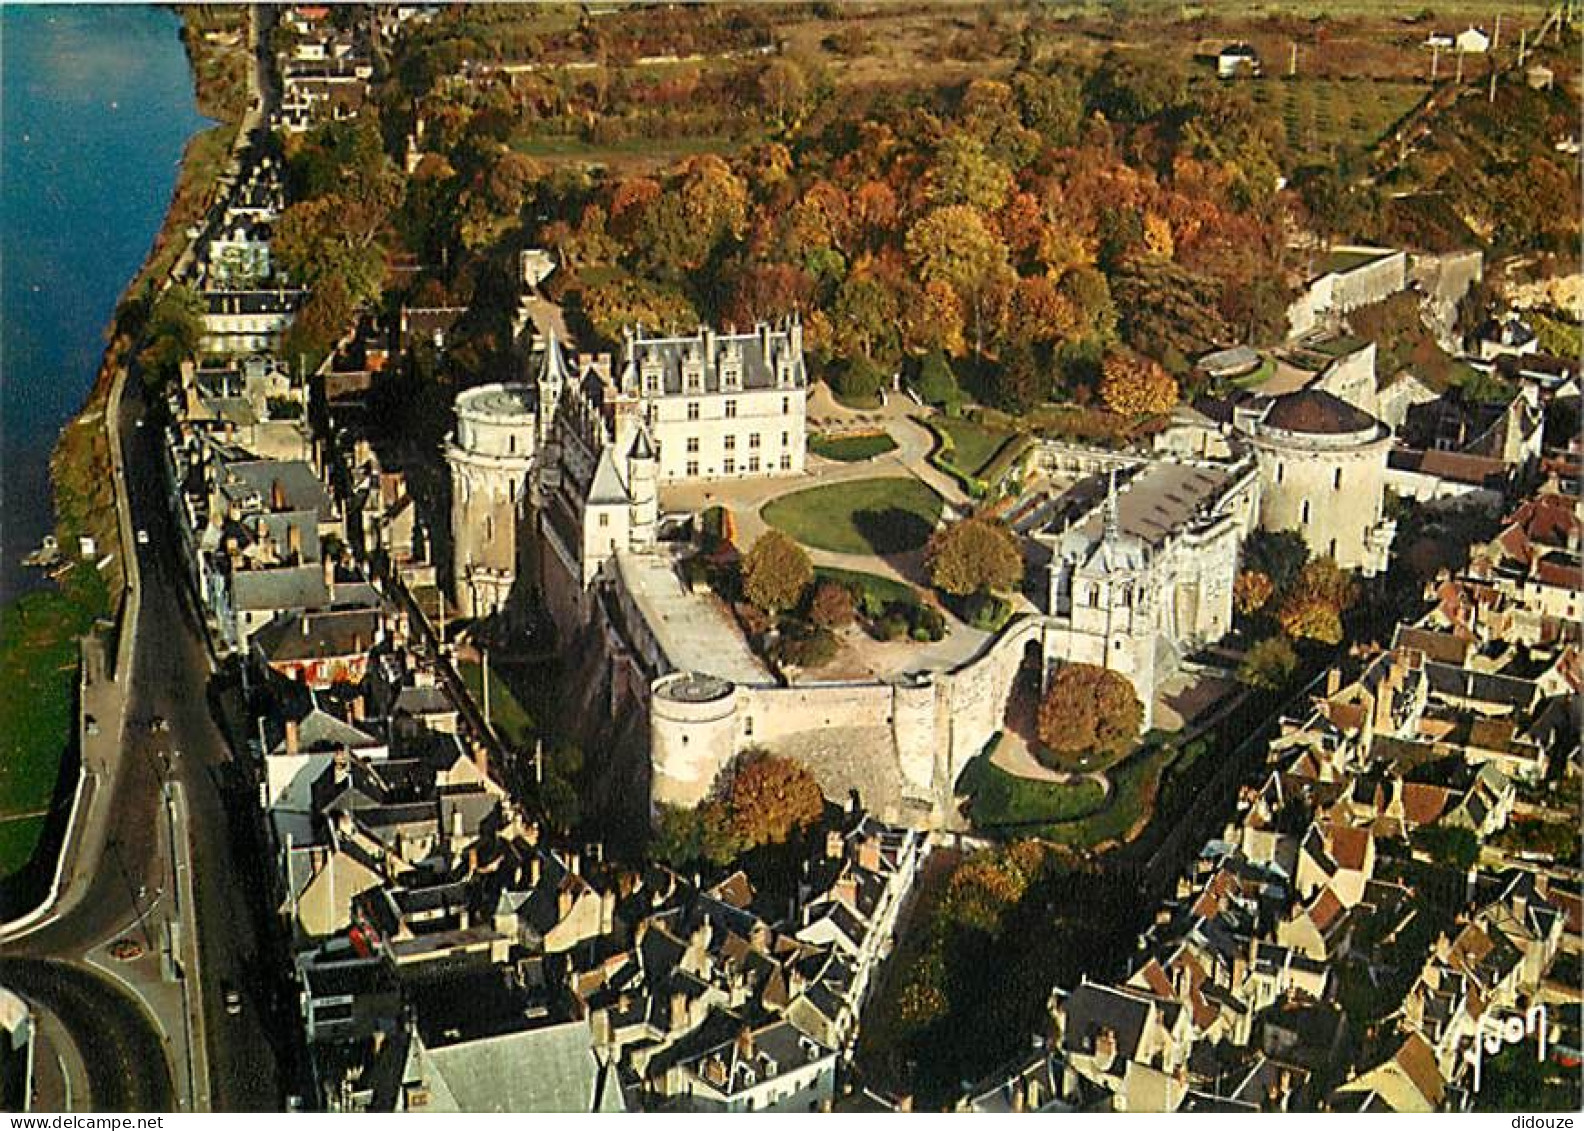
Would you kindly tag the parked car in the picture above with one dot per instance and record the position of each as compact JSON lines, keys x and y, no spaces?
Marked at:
{"x":233,"y":1001}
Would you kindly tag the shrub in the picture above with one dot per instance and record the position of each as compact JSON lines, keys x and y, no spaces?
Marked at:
{"x":859,"y":380}
{"x":806,"y":647}
{"x":832,"y":605}
{"x":776,"y":572}
{"x":936,"y":384}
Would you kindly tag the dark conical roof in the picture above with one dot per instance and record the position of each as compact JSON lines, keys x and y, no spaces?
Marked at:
{"x":1319,"y":413}
{"x":642,"y":446}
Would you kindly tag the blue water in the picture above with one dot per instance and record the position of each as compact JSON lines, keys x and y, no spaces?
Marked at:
{"x":96,"y":104}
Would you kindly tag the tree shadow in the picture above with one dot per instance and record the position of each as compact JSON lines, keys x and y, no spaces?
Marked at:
{"x":892,"y":530}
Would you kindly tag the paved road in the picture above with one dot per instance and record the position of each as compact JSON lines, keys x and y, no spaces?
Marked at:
{"x":118,"y":1046}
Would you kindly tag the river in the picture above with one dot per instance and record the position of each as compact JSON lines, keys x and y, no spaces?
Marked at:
{"x":96,"y":104}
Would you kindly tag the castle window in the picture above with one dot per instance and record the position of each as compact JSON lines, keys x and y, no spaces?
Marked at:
{"x":786,"y":439}
{"x":731,"y":410}
{"x":1337,"y":481}
{"x":748,"y":727}
{"x":1303,"y":511}
{"x":753,"y":440}
{"x":786,"y":462}
{"x":1278,"y":471}
{"x":729,"y":467}
{"x":511,"y":443}
{"x":1333,"y":549}
{"x":604,"y":520}
{"x":692,"y":445}
{"x":730,"y":443}
{"x":786,"y":405}
{"x":651,"y":384}
{"x":692,"y":468}
{"x":692,"y":410}
{"x":753,"y":464}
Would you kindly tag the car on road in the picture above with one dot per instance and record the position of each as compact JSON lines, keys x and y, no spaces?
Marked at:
{"x":233,"y":1000}
{"x":142,"y":537}
{"x":157,"y":724}
{"x":90,"y":725}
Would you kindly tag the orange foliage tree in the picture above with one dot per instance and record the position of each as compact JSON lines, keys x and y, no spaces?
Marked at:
{"x":770,"y":798}
{"x":1135,"y":386}
{"x":1089,"y":718}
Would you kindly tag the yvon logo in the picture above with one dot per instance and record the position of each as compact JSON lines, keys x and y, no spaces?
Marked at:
{"x":1496,"y":1031}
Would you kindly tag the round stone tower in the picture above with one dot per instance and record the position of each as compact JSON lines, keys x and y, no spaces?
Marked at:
{"x":490,"y":454}
{"x":1322,"y":467}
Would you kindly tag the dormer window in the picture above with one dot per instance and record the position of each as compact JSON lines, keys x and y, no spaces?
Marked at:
{"x":651,"y":373}
{"x":693,"y":375}
{"x":731,"y":373}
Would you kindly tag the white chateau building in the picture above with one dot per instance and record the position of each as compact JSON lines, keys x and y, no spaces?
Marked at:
{"x":577,"y":458}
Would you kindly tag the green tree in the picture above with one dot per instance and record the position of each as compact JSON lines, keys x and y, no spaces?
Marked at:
{"x":936,"y":384}
{"x":858,"y":381}
{"x":332,"y":237}
{"x":975,"y":555}
{"x":1018,"y":384}
{"x":784,"y":87}
{"x":1089,"y":717}
{"x":175,"y":330}
{"x":684,"y":837}
{"x":1279,"y":555}
{"x":1051,"y":104}
{"x":775,"y":572}
{"x":1269,"y":664}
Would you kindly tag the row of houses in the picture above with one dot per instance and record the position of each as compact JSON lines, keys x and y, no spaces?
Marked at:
{"x":1328,"y":950}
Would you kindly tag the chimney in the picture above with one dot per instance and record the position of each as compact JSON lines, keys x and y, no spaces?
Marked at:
{"x":359,"y":708}
{"x":869,"y":854}
{"x":1018,"y":1103}
{"x":294,"y":542}
{"x":904,"y":1103}
{"x":1333,"y":681}
{"x":456,"y":822}
{"x":679,"y":1012}
{"x":607,"y":912}
{"x":1033,"y":1100}
{"x":342,"y":762}
{"x":833,"y":845}
{"x":291,"y":736}
{"x":563,"y":903}
{"x":745,"y":1043}
{"x":330,"y":578}
{"x":277,"y":495}
{"x":534,"y":870}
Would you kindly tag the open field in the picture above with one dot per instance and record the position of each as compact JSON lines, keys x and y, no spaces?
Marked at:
{"x":864,"y":516}
{"x":509,"y":717}
{"x":851,"y":449}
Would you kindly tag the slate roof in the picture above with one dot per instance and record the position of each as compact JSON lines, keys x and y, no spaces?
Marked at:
{"x":549,"y":1069}
{"x":1318,"y":412}
{"x":318,"y":635}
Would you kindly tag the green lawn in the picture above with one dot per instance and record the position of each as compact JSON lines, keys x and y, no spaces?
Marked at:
{"x":1134,"y":784}
{"x":852,"y":449}
{"x":865,"y":516}
{"x":999,"y":799}
{"x":973,"y":445}
{"x":509,"y":717}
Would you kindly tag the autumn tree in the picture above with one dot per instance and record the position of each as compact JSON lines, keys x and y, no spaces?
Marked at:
{"x":1313,"y":606}
{"x":1136,"y":386}
{"x":965,"y":174}
{"x":771,"y":798}
{"x":832,"y":605}
{"x":1251,"y":591}
{"x":1089,"y":717}
{"x":975,"y":555}
{"x":954,"y":245}
{"x":1269,"y":664}
{"x":684,"y":837}
{"x":775,"y":572}
{"x":783,"y":86}
{"x":332,"y":237}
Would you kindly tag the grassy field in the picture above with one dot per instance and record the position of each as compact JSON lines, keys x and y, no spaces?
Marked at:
{"x":38,"y":680}
{"x":999,"y":799}
{"x":1323,"y":117}
{"x":852,"y":449}
{"x":1134,"y":784}
{"x":509,"y":717}
{"x":865,"y":516}
{"x":973,"y":445}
